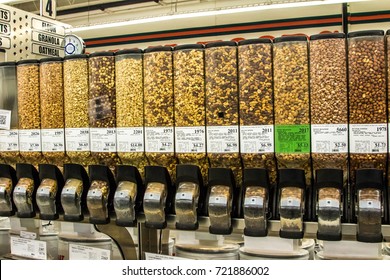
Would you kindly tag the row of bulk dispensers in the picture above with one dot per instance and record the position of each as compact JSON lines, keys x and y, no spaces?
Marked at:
{"x":75,"y":195}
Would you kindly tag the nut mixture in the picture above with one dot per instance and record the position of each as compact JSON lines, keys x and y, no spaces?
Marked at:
{"x":329,"y":97}
{"x":29,"y":105}
{"x":102,"y":101}
{"x":291,"y":97}
{"x":129,"y":101}
{"x":222,"y":100}
{"x":367,"y":93}
{"x":256,"y":98}
{"x":52,"y":104}
{"x":76,"y":102}
{"x":158,"y":101}
{"x":190,"y":99}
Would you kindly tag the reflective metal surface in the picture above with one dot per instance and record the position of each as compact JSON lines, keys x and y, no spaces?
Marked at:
{"x":186,"y":204}
{"x":46,"y":197}
{"x":220,"y":208}
{"x":124,"y":201}
{"x":154,"y":204}
{"x":71,"y":197}
{"x":23,"y":194}
{"x":97,"y":199}
{"x":291,"y":210}
{"x":329,"y":211}
{"x":255,"y":211}
{"x":5,"y":195}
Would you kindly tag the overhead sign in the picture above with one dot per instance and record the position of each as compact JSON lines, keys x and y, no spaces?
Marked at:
{"x":5,"y":28}
{"x":47,"y":51}
{"x":5,"y":15}
{"x":48,"y":39}
{"x":47,"y":27}
{"x":5,"y":42}
{"x":48,"y":8}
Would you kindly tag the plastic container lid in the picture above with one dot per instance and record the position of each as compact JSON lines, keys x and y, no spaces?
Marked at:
{"x":366,"y":33}
{"x":291,"y":177}
{"x":255,"y":41}
{"x":97,"y":54}
{"x":10,"y":63}
{"x":129,"y":51}
{"x":327,"y":36}
{"x":299,"y":254}
{"x":369,"y":178}
{"x":221,"y":44}
{"x":189,"y":47}
{"x":329,"y":177}
{"x":208,"y":249}
{"x":51,"y":59}
{"x":76,"y":56}
{"x":290,"y":39}
{"x":158,"y":49}
{"x":256,"y":177}
{"x":28,"y":61}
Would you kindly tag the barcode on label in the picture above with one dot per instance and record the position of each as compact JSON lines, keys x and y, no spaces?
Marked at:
{"x":3,"y":120}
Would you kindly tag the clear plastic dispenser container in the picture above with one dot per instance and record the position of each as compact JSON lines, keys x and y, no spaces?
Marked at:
{"x":221,"y":186}
{"x":74,"y":192}
{"x":331,"y":193}
{"x":291,"y":204}
{"x":128,"y":195}
{"x":49,"y":192}
{"x":7,"y":187}
{"x":100,"y":194}
{"x":189,"y":193}
{"x":256,"y":187}
{"x":157,"y":201}
{"x":25,"y":190}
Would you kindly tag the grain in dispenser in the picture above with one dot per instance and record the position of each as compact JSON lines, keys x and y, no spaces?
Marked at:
{"x":130,"y":108}
{"x":159,"y":107}
{"x":190,"y":115}
{"x":102,"y":108}
{"x":76,"y":100}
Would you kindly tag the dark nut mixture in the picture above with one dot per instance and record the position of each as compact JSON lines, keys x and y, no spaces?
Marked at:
{"x":256,"y":97}
{"x":190,"y":99}
{"x":102,"y":102}
{"x":129,"y":101}
{"x":158,"y":101}
{"x":76,"y":102}
{"x":222,"y":100}
{"x":291,"y":96}
{"x":329,"y":96}
{"x":367,"y":93}
{"x":52,"y":103}
{"x":29,"y":112}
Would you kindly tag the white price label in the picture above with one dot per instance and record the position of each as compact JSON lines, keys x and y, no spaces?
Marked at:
{"x":130,"y":139}
{"x":329,"y":138}
{"x":368,"y":138}
{"x":28,"y":248}
{"x":53,"y":140}
{"x":157,"y":257}
{"x":28,"y":235}
{"x":5,"y":119}
{"x":159,"y":139}
{"x":77,"y":139}
{"x":190,"y":139}
{"x":103,"y":140}
{"x":30,"y":140}
{"x":222,"y":139}
{"x":256,"y":139}
{"x":9,"y":140}
{"x":79,"y":252}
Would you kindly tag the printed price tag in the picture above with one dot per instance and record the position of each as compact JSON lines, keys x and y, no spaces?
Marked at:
{"x":190,"y":139}
{"x":9,"y":140}
{"x":368,"y":138}
{"x":77,"y":139}
{"x":159,"y":139}
{"x":30,"y":140}
{"x":79,"y":252}
{"x":130,"y":139}
{"x":33,"y":249}
{"x":222,"y":139}
{"x":329,"y":138}
{"x":53,"y":140}
{"x":291,"y":139}
{"x":5,"y":119}
{"x":151,"y":256}
{"x":103,"y":140}
{"x":257,"y":139}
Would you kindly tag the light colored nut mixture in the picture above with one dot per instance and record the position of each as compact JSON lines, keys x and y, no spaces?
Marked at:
{"x":329,"y":97}
{"x":256,"y":98}
{"x":291,"y":97}
{"x":52,"y":104}
{"x":102,"y":101}
{"x":190,"y":99}
{"x":222,"y":100}
{"x":158,"y":101}
{"x":76,"y":102}
{"x":29,"y":112}
{"x":367,"y":93}
{"x":129,"y":101}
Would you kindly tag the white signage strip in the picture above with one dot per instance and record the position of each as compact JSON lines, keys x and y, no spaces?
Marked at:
{"x":5,"y":42}
{"x":47,"y":27}
{"x":5,"y":15}
{"x":5,"y":28}
{"x":47,"y":51}
{"x":48,"y":39}
{"x":48,"y":8}
{"x":28,"y":248}
{"x":80,"y":252}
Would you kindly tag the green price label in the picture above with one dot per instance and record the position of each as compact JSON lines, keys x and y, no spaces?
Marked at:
{"x":292,"y":138}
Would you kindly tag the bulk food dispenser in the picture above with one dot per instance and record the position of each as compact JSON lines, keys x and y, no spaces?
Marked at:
{"x":7,"y":187}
